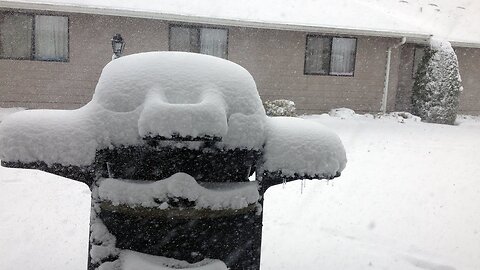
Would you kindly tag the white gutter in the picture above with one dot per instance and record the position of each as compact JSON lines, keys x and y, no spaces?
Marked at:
{"x":387,"y":73}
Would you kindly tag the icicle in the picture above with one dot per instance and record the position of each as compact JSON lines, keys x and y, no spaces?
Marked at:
{"x":110,"y":174}
{"x":259,"y":209}
{"x":301,"y":186}
{"x":284,"y":182}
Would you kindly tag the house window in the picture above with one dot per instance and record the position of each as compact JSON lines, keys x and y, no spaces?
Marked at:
{"x":33,"y":37}
{"x":417,"y":59}
{"x":211,"y":41}
{"x":330,"y":55}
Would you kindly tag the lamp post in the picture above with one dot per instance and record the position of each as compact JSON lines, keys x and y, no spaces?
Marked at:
{"x":118,"y":44}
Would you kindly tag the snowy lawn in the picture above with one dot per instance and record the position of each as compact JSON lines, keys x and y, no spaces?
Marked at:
{"x":408,"y":199}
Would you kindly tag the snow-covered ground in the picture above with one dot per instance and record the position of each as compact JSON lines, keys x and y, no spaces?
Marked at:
{"x":6,"y":111}
{"x":409,"y":198}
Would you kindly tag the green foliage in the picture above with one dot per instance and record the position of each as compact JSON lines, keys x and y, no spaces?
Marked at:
{"x":280,"y":107}
{"x":437,"y":85}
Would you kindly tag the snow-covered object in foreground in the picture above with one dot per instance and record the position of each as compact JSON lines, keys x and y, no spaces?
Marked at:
{"x":168,"y":95}
{"x":437,"y":86}
{"x":298,"y":147}
{"x":180,"y":185}
{"x":152,"y":94}
{"x":51,"y":136}
{"x":175,"y":119}
{"x":181,"y":93}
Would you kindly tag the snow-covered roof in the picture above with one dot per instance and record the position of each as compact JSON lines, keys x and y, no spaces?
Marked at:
{"x":415,"y":19}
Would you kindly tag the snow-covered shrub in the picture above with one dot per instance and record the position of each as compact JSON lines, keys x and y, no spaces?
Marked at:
{"x":401,"y":117}
{"x":437,"y":84}
{"x":343,"y":113}
{"x":280,"y":107}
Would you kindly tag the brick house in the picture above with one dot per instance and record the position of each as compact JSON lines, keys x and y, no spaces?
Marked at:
{"x":52,"y":52}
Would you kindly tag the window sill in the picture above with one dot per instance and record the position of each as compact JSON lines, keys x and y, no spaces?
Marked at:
{"x":35,"y":60}
{"x":330,"y":75}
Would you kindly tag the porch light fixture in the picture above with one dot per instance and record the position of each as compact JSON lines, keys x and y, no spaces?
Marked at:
{"x":118,"y":44}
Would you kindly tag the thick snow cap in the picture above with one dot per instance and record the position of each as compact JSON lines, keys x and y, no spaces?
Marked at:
{"x":180,"y":93}
{"x":300,"y":148}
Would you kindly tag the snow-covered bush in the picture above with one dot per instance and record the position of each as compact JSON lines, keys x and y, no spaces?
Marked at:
{"x":343,"y":113}
{"x":280,"y":107}
{"x":437,"y":84}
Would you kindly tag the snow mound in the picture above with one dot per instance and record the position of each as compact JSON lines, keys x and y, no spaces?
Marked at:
{"x":467,"y":120}
{"x":151,"y":94}
{"x":346,"y":113}
{"x":179,"y":185}
{"x":6,"y":111}
{"x":401,"y":117}
{"x":298,"y":147}
{"x":343,"y":113}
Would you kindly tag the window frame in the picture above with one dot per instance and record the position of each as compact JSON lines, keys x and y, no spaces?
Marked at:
{"x":32,"y":50}
{"x":330,"y":60}
{"x":197,"y":27}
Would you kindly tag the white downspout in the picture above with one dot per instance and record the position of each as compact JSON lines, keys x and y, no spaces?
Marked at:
{"x":387,"y":74}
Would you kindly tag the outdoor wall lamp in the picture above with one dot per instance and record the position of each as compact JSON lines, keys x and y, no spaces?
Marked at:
{"x":118,"y":44}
